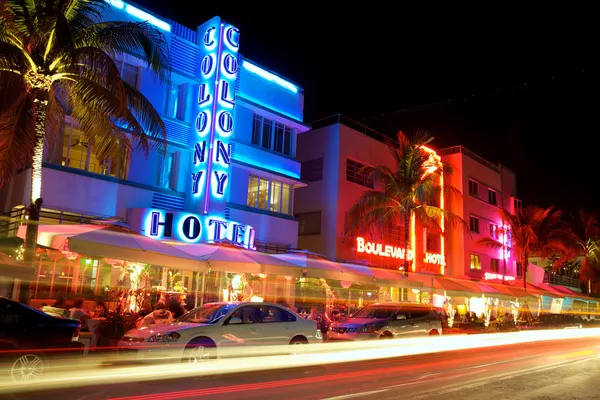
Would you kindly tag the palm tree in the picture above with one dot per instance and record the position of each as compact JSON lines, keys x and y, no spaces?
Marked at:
{"x":57,"y":58}
{"x":530,"y":230}
{"x":410,"y":188}
{"x":584,"y":230}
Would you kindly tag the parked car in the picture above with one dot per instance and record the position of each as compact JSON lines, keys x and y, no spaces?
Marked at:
{"x":31,"y":339}
{"x":202,"y":333}
{"x":386,"y":321}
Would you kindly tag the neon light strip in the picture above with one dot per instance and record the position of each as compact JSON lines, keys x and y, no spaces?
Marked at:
{"x":136,"y":12}
{"x":269,"y":76}
{"x":258,"y":163}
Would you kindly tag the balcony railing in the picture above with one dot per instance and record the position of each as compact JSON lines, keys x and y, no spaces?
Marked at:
{"x":562,"y":280}
{"x":469,"y":153}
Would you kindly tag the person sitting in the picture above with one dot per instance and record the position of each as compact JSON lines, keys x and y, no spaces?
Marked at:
{"x":159,"y":316}
{"x":78,"y":313}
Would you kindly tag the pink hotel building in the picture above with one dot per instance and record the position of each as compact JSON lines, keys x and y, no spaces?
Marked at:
{"x":332,"y":155}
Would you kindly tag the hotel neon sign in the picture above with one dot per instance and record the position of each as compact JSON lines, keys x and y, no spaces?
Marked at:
{"x":193,"y":228}
{"x":491,"y":275}
{"x":379,"y":249}
{"x":214,"y":122}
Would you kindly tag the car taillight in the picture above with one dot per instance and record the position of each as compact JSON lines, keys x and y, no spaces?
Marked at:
{"x":76,"y":334}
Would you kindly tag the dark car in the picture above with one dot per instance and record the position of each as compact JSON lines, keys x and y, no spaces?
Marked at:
{"x":29,"y":339}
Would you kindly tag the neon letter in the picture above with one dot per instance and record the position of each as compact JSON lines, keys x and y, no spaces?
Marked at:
{"x":225,"y":93}
{"x":199,"y":152}
{"x":218,"y":227}
{"x":191,"y":227}
{"x":203,"y":95}
{"x":155,"y":224}
{"x":209,"y":36}
{"x":224,"y":152}
{"x":221,"y":181}
{"x":196,"y":181}
{"x":239,"y":233}
{"x":226,"y":122}
{"x":360,"y":245}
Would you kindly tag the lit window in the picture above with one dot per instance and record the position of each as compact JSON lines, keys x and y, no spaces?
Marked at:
{"x":494,"y":263}
{"x":494,"y":231}
{"x":473,"y":188}
{"x":355,"y":172}
{"x":272,"y":135}
{"x":174,"y":102}
{"x":475,"y":262}
{"x":72,"y":149}
{"x":269,"y":195}
{"x":492,"y":196}
{"x":474,"y":224}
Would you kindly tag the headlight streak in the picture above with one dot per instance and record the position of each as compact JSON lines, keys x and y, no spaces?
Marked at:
{"x":318,"y":354}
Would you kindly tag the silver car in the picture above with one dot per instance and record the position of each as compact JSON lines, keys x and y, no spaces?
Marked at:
{"x":213,"y":328}
{"x":386,"y":321}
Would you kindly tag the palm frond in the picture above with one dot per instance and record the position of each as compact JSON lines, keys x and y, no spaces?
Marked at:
{"x":117,"y":38}
{"x":12,"y":58}
{"x":489,"y":243}
{"x":17,"y":136}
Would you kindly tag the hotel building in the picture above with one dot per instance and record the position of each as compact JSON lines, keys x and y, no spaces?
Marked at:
{"x":229,"y":170}
{"x":333,"y":171}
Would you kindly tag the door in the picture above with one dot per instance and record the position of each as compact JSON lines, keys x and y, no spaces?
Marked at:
{"x":242,"y":328}
{"x":419,"y":322}
{"x":278,"y":326}
{"x":400,"y":324}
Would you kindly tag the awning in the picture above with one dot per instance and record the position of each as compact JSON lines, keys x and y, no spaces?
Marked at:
{"x":378,"y":276}
{"x":11,"y":268}
{"x":55,"y":236}
{"x":131,"y":247}
{"x":229,"y":258}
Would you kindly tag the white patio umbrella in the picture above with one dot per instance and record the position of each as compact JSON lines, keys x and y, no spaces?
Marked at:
{"x":231,"y":258}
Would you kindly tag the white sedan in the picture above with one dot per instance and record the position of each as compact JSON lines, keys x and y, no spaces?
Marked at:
{"x":210,"y":330}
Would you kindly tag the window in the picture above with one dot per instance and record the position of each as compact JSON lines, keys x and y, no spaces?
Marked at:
{"x":164,"y":177}
{"x":475,"y":262}
{"x":269,"y":195}
{"x":474,"y":224}
{"x":72,"y":149}
{"x":433,"y":243}
{"x":174,"y":103}
{"x":418,"y":313}
{"x":494,"y":231}
{"x":355,"y":172}
{"x":312,"y":170}
{"x":473,"y":188}
{"x":492,"y":197}
{"x":272,"y":135}
{"x":130,"y":74}
{"x":309,"y":223}
{"x":494,"y":263}
{"x":518,"y":204}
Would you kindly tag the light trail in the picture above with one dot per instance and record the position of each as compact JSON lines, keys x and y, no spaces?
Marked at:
{"x":266,"y":358}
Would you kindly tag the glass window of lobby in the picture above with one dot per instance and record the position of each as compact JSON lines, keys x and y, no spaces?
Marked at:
{"x":267,"y":194}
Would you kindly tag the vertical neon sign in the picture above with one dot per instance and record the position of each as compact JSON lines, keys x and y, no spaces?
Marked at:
{"x":214,"y":122}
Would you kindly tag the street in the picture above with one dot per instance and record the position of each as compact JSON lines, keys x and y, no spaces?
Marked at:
{"x":538,"y":370}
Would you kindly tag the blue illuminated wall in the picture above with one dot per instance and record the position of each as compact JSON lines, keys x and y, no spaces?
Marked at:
{"x":210,"y":140}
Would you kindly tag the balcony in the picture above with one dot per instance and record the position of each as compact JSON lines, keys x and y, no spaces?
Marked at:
{"x":561,"y":280}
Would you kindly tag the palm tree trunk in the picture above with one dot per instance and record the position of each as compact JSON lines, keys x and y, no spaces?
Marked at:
{"x":406,"y":241}
{"x":36,"y":192}
{"x":524,"y":265}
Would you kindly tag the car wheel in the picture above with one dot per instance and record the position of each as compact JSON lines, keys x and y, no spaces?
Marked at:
{"x":297,"y":345}
{"x":198,"y":353}
{"x":386,"y":335}
{"x":434,"y":332}
{"x":27,"y":367}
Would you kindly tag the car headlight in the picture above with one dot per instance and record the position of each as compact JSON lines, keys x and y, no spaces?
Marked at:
{"x":168,"y":337}
{"x":370,"y":328}
{"x":319,"y":334}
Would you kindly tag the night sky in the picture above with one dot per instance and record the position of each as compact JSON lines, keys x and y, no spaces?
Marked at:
{"x":519,"y":87}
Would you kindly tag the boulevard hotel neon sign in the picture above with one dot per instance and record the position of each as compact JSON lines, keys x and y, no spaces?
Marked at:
{"x":378,"y":249}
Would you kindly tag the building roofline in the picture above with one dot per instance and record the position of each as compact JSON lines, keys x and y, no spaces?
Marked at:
{"x":353,"y":124}
{"x":463,"y":150}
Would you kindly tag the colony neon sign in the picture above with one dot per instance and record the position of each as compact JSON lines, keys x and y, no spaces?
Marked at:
{"x":214,"y":123}
{"x":192,"y":228}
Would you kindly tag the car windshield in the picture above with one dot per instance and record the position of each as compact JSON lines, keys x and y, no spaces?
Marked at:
{"x":374,"y":312}
{"x":208,"y":313}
